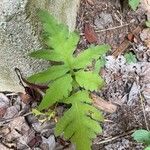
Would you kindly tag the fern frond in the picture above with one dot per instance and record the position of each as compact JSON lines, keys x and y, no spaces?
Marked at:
{"x":89,"y":80}
{"x":57,"y":90}
{"x":85,"y":58}
{"x":52,"y":73}
{"x":46,"y":55}
{"x":80,"y":123}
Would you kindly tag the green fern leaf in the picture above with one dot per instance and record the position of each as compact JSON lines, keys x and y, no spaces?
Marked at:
{"x":52,"y":73}
{"x":68,"y":49}
{"x":80,"y":123}
{"x":56,"y":34}
{"x":100,"y":63}
{"x":65,"y":47}
{"x":50,"y":25}
{"x":89,"y":80}
{"x":134,"y":4}
{"x":58,"y":90}
{"x":47,"y":55}
{"x":86,"y":57}
{"x":58,"y":39}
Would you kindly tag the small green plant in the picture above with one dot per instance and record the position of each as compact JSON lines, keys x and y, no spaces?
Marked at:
{"x":142,"y":136}
{"x":147,"y":23}
{"x":99,"y":64}
{"x":130,"y":58}
{"x":134,"y":4}
{"x":70,"y":82}
{"x":46,"y":115}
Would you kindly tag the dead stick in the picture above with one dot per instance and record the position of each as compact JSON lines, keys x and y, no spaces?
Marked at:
{"x":101,"y":104}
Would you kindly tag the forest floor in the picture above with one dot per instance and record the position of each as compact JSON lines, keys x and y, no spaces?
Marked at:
{"x":127,"y":83}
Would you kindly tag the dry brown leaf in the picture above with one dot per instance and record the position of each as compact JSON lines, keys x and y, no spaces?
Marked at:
{"x":126,"y":43}
{"x":25,"y":98}
{"x":101,"y":104}
{"x":90,"y":34}
{"x":145,"y":80}
{"x":35,"y":141}
{"x":90,"y":2}
{"x":130,"y":37}
{"x":123,"y":46}
{"x":4,"y":131}
{"x":146,"y":6}
{"x":2,"y":111}
{"x":145,"y":36}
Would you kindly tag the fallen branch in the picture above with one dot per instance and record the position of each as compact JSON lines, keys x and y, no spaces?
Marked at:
{"x":101,"y":104}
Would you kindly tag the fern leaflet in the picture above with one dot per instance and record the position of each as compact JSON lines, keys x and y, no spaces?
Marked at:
{"x":52,"y":73}
{"x":80,"y":122}
{"x":56,"y":91}
{"x":89,"y":80}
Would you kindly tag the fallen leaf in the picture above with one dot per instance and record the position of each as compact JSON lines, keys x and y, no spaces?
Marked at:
{"x":35,"y":141}
{"x":101,"y":104}
{"x":4,"y":101}
{"x":133,"y":94}
{"x":90,"y":2}
{"x":33,"y":90}
{"x":11,"y":112}
{"x":9,"y":146}
{"x":122,"y":47}
{"x":131,"y":37}
{"x":145,"y":4}
{"x":25,"y":98}
{"x":4,"y":131}
{"x":18,"y":127}
{"x":90,"y":34}
{"x":145,"y":36}
{"x":2,"y":111}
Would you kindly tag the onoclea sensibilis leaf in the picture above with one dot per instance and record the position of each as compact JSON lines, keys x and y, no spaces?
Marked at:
{"x":57,"y":90}
{"x":46,"y":55}
{"x":81,"y":120}
{"x":85,"y":58}
{"x":89,"y":80}
{"x":52,"y":73}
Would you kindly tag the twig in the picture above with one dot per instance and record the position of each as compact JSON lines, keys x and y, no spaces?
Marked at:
{"x":101,"y":104}
{"x":3,"y":121}
{"x":142,"y":104}
{"x":114,"y":138}
{"x":11,"y":94}
{"x":113,"y":28}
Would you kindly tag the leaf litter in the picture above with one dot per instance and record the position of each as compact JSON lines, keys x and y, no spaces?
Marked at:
{"x":127,"y":78}
{"x":125,"y":82}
